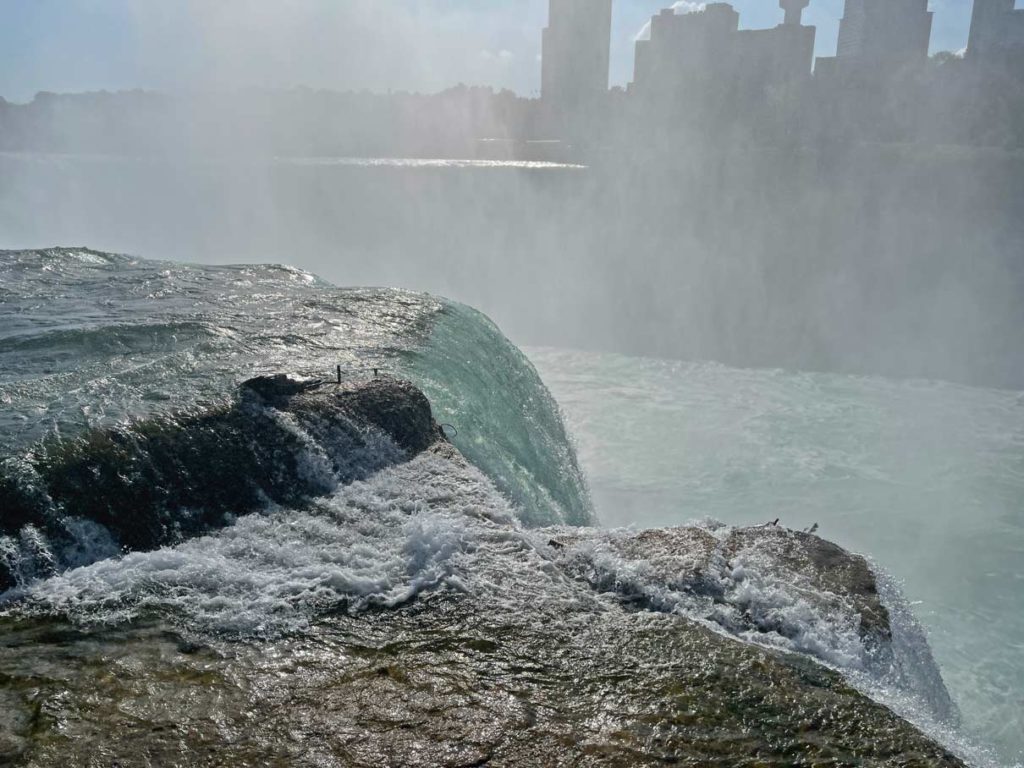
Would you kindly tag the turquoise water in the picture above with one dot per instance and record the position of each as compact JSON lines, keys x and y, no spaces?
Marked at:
{"x":505,"y":420}
{"x":926,"y":478}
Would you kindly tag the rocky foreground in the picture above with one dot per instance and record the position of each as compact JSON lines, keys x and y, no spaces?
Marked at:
{"x":555,"y":647}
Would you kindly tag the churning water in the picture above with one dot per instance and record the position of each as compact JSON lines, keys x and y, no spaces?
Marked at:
{"x":924,"y":477}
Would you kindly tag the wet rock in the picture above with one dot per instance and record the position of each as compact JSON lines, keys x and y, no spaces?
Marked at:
{"x":16,"y":718}
{"x":556,"y":685}
{"x":278,"y":389}
{"x":397,"y":408}
{"x":160,"y":481}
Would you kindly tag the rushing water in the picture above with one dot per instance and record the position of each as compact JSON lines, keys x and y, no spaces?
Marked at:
{"x":926,"y":478}
{"x":91,"y":637}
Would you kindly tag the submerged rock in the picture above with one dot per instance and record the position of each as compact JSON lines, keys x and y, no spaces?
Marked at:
{"x":160,"y":481}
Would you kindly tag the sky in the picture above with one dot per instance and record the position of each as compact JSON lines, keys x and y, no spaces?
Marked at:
{"x":416,"y":45}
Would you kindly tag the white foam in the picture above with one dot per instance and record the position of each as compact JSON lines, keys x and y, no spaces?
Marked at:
{"x":377,"y":542}
{"x":90,"y":543}
{"x":744,"y":596}
{"x":28,"y":555}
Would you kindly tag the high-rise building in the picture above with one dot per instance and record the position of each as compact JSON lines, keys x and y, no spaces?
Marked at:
{"x":884,"y":34}
{"x":684,"y":48}
{"x":997,"y":33}
{"x":576,"y":53}
{"x":707,"y":48}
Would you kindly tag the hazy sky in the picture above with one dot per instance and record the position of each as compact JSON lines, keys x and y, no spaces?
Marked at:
{"x":83,"y":45}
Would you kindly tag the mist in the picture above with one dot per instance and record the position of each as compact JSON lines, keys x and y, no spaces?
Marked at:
{"x":785,"y":221}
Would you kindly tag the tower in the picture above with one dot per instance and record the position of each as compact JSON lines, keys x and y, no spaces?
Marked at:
{"x":794,"y":11}
{"x":576,"y":53}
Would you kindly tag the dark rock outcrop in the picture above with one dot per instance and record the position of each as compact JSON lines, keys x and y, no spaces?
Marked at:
{"x":160,"y":481}
{"x":397,"y":408}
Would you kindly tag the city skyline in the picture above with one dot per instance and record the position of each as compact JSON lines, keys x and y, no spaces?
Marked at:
{"x":84,"y":45}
